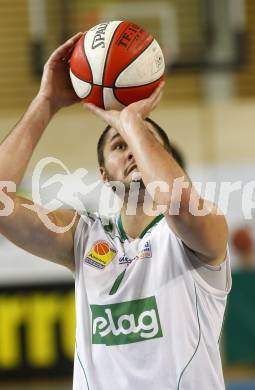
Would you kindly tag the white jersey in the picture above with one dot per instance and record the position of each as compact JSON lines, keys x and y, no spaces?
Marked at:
{"x":145,"y":318}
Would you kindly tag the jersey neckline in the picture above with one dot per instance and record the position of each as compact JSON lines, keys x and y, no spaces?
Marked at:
{"x":150,"y":225}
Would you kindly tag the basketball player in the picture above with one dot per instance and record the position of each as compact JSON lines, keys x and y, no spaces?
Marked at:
{"x":150,"y":290}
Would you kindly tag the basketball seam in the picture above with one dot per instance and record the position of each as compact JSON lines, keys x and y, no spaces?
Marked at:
{"x":136,"y":86}
{"x":92,"y":85}
{"x":133,"y":59}
{"x":106,"y":60}
{"x":116,"y":97}
{"x":109,"y":48}
{"x":86,"y":57}
{"x":84,"y":82}
{"x":139,"y":86}
{"x":114,"y":87}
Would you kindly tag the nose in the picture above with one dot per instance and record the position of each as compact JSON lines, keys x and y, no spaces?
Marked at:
{"x":129,"y":155}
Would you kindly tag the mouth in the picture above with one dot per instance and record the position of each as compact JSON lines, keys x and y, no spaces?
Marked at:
{"x":130,"y":169}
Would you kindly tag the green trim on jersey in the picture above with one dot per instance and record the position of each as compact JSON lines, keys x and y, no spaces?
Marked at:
{"x":124,"y":237}
{"x":151,"y":224}
{"x":117,"y":282}
{"x":198,"y":343}
{"x":121,"y":229}
{"x":83,"y":369}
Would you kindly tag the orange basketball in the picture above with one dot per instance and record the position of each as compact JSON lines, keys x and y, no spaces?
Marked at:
{"x":116,"y":63}
{"x":242,"y":240}
{"x":101,"y":248}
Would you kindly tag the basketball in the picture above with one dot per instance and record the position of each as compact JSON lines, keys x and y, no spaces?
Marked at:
{"x":115,"y":64}
{"x":101,"y":248}
{"x":242,"y":240}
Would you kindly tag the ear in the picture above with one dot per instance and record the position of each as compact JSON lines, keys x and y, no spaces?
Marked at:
{"x":103,"y":174}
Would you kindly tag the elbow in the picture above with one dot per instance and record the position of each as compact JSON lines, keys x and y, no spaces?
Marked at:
{"x":7,"y":204}
{"x":215,"y":239}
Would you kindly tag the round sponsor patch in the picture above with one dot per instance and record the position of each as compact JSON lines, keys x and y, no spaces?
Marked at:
{"x":100,"y":255}
{"x":101,"y":248}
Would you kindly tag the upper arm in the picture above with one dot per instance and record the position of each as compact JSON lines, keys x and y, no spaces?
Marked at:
{"x":216,"y":276}
{"x":26,"y":229}
{"x":206,"y":235}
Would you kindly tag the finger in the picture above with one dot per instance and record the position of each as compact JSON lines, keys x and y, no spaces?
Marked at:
{"x":71,"y":49}
{"x":111,"y":117}
{"x":96,"y":110}
{"x":151,"y":103}
{"x":157,"y":91}
{"x":93,"y":108}
{"x":144,"y":106}
{"x":67,"y":47}
{"x":70,"y":42}
{"x":62,"y":50}
{"x":156,"y":101}
{"x":69,"y":54}
{"x":162,"y":84}
{"x":147,"y":104}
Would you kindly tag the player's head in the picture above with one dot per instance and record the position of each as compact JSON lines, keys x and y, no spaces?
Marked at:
{"x":115,"y":158}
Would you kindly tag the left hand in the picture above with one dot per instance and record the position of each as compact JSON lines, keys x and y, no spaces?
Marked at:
{"x":141,"y":108}
{"x":56,"y":85}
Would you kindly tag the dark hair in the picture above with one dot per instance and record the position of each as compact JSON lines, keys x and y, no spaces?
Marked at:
{"x":167,"y":144}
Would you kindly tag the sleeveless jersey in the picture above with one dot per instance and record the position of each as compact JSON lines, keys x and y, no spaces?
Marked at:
{"x":145,"y":318}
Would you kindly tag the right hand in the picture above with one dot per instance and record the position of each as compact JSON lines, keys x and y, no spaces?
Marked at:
{"x":140,"y":109}
{"x":56,"y":85}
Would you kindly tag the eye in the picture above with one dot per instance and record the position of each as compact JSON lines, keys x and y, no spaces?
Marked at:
{"x":119,"y":146}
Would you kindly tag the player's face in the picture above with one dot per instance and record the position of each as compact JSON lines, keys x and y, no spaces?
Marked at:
{"x":120,"y":164}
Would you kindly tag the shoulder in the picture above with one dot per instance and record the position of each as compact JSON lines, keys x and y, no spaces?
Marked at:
{"x":92,"y":220}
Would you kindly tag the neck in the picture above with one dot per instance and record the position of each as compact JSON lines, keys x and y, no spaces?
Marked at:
{"x":135,"y":224}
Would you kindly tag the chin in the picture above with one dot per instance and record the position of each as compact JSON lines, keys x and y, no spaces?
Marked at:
{"x":138,"y":181}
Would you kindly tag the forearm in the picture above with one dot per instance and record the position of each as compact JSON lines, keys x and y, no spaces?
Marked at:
{"x":206,"y":235}
{"x":17,"y":148}
{"x":154,"y":162}
{"x":26,"y":229}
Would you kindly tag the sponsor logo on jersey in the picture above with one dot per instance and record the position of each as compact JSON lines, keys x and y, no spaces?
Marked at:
{"x":144,"y":253}
{"x":125,"y":260}
{"x":125,"y":322}
{"x":100,"y":255}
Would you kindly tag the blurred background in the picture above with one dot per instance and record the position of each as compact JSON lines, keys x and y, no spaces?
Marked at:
{"x":208,"y":111}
